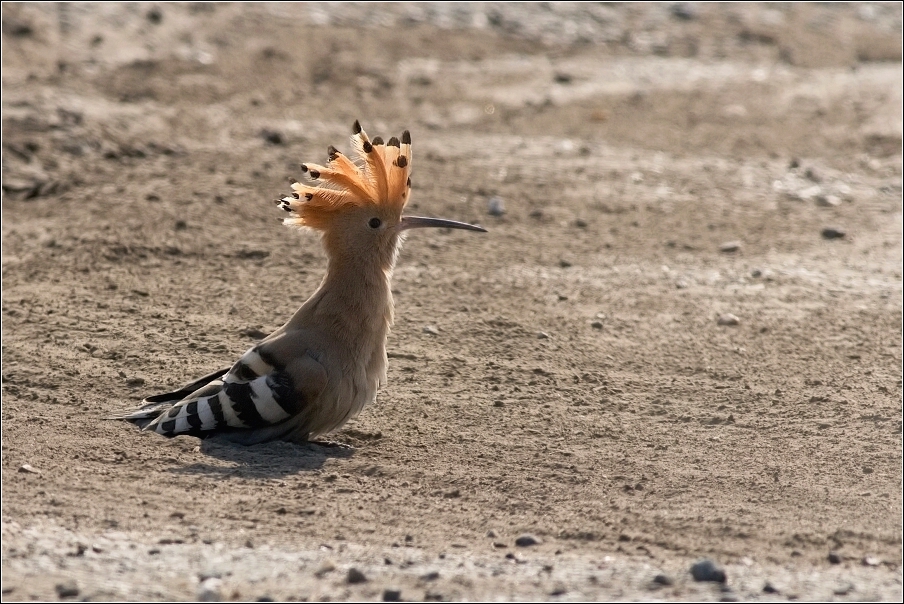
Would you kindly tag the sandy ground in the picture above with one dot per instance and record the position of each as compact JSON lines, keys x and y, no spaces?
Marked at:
{"x":565,"y":376}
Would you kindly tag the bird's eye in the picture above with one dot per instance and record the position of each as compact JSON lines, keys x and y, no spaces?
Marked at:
{"x":375,"y":223}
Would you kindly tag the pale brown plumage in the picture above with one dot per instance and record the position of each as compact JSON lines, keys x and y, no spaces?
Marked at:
{"x":326,"y":363}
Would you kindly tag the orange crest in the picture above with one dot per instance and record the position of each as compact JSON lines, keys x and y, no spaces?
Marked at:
{"x":379,"y":177}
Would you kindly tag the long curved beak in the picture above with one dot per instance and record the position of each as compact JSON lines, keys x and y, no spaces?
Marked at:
{"x":419,"y":222}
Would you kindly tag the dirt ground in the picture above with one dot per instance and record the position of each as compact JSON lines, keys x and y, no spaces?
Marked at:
{"x":571,"y":375}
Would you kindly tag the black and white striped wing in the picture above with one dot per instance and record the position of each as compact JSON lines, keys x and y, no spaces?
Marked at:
{"x":256,"y":393}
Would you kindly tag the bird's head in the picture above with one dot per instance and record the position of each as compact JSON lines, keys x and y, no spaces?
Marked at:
{"x":357,"y":204}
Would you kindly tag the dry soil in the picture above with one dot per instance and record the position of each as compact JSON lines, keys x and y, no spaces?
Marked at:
{"x":572,"y":375}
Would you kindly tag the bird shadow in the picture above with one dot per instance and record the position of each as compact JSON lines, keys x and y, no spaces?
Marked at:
{"x":269,"y":460}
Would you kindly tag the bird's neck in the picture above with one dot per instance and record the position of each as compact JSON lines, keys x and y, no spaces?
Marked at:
{"x":354,"y":297}
{"x":358,"y":286}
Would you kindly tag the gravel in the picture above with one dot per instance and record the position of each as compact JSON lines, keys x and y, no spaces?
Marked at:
{"x":130,"y":575}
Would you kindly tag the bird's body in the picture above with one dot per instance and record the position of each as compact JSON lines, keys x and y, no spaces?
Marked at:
{"x":327,"y":362}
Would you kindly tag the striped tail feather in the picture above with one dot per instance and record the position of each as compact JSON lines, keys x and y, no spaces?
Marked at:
{"x":154,"y":406}
{"x":224,"y":406}
{"x":252,"y":402}
{"x":177,"y":395}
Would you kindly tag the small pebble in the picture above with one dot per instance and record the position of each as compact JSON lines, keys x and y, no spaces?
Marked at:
{"x":686,"y":11}
{"x":155,"y":15}
{"x":253,"y":332}
{"x":707,"y":570}
{"x":272,"y":136}
{"x":392,"y":595}
{"x":597,"y":325}
{"x":326,"y":566}
{"x":730,"y":247}
{"x":491,"y":533}
{"x":67,"y":589}
{"x":495,"y":206}
{"x":834,"y":558}
{"x":210,"y":573}
{"x":843,"y":590}
{"x":580,"y":223}
{"x":808,"y":193}
{"x":564,"y":263}
{"x":209,"y":590}
{"x":833,"y":233}
{"x":769,"y":588}
{"x":431,"y":576}
{"x":828,"y":201}
{"x":431,"y":330}
{"x":662,"y":579}
{"x":29,"y":469}
{"x":526,"y":541}
{"x":681,"y":284}
{"x":728,"y":319}
{"x":871,"y":561}
{"x":542,"y":335}
{"x":355,"y":576}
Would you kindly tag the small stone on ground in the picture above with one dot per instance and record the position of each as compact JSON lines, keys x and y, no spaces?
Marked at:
{"x":67,"y":589}
{"x":526,"y":541}
{"x":707,"y":570}
{"x":355,"y":576}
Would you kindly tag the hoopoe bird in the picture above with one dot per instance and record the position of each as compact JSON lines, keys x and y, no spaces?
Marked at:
{"x":327,"y":362}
